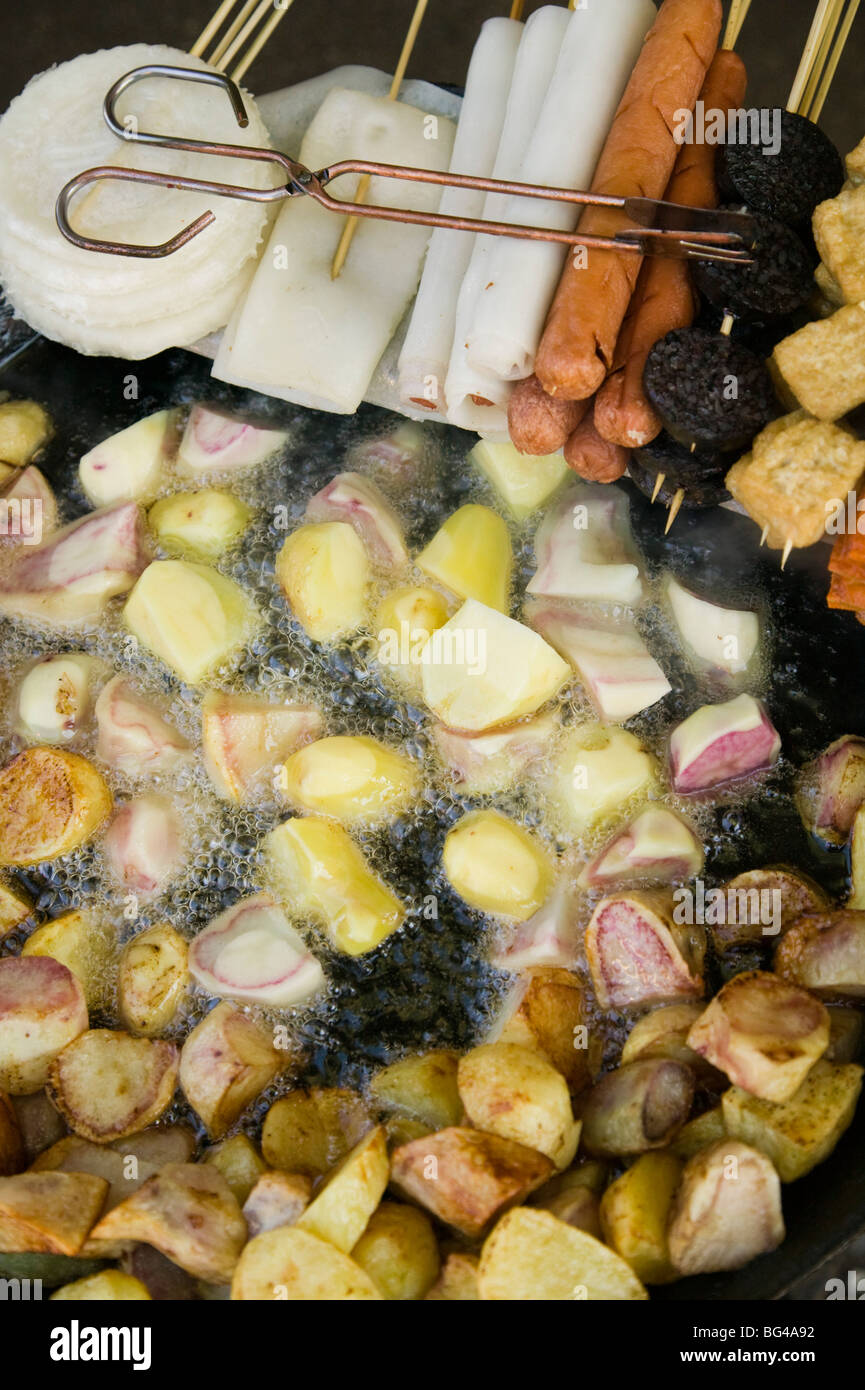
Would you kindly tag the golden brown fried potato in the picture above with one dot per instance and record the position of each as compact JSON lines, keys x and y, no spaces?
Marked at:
{"x":42,"y":1009}
{"x":50,"y":1213}
{"x":634,"y":1214}
{"x":153,"y":979}
{"x":12,"y":1155}
{"x":531,"y":1256}
{"x":727,"y":1210}
{"x":548,"y":1015}
{"x":515,"y":1092}
{"x":467,"y":1178}
{"x":311,"y":1131}
{"x":109,"y":1084}
{"x":239,"y":1162}
{"x":15,"y":907}
{"x":573,"y":1196}
{"x":108,"y":1286}
{"x":79,"y":942}
{"x":800,"y":1132}
{"x":401,"y":1129}
{"x":292,"y":1265}
{"x":699,"y":1133}
{"x":422,"y":1087}
{"x":277,"y":1199}
{"x":399,"y":1252}
{"x":39,"y":1123}
{"x":51,"y":801}
{"x":187,"y":1211}
{"x":340,"y":1211}
{"x":458,"y":1281}
{"x":226,"y":1061}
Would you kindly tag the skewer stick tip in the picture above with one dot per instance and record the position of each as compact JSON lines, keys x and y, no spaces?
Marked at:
{"x":788,"y":546}
{"x":764,"y":533}
{"x":676,"y":503}
{"x":659,"y":483}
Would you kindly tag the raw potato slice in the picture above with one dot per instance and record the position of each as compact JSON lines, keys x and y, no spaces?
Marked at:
{"x":764,"y":1033}
{"x":318,"y":869}
{"x":199,"y":524}
{"x":482,"y":669}
{"x":129,"y":466}
{"x":290,"y":1264}
{"x":214,"y":441}
{"x":49,"y":1213}
{"x":610,"y":657}
{"x":600,"y":771}
{"x":550,"y":938}
{"x":190,"y":616}
{"x":277,"y":1199}
{"x":51,"y":801}
{"x":399,"y":1251}
{"x":79,"y":942}
{"x":423,"y":1087}
{"x":311,"y":1131}
{"x":471,"y":555}
{"x":24,"y":428}
{"x":634,"y":1213}
{"x":340,"y":1211}
{"x":352,"y":778}
{"x":353,"y":498}
{"x":493,"y":762}
{"x":522,"y":483}
{"x":583,"y":547}
{"x":727,"y":1210}
{"x":42,"y":1009}
{"x":133,"y":736}
{"x":246,"y":738}
{"x":725,"y":638}
{"x":111,"y":1286}
{"x":143,"y":845}
{"x":404,"y":622}
{"x":153,"y":979}
{"x":187,"y":1211}
{"x":656,"y":845}
{"x":467,"y":1178}
{"x":36,"y":504}
{"x":109,"y":1085}
{"x":226,"y":1061}
{"x":251,"y":951}
{"x":802,"y":1131}
{"x":514,"y":1092}
{"x":324,"y":572}
{"x":54,"y":697}
{"x":497,"y":866}
{"x":532,"y":1256}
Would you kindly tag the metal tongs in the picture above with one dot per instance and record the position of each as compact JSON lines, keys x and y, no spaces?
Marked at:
{"x":662,"y":229}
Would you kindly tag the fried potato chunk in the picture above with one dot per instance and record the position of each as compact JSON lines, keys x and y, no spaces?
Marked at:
{"x":226,"y":1061}
{"x":49,"y":1213}
{"x":311,"y":1131}
{"x":109,"y":1085}
{"x":399,"y":1251}
{"x":531,"y":1256}
{"x":292,"y":1265}
{"x":340,"y":1211}
{"x":51,"y":801}
{"x":727,"y":1210}
{"x":802,"y":1131}
{"x":516,"y":1092}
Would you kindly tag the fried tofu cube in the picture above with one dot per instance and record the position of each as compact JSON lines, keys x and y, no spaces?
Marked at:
{"x":798,"y":468}
{"x":839,"y":231}
{"x":823,"y":364}
{"x":855,"y":163}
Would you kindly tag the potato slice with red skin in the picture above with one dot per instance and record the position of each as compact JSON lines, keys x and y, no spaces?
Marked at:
{"x":639,"y":956}
{"x":277,"y":1199}
{"x":252,"y":952}
{"x":143,"y":845}
{"x":764,"y":1033}
{"x":133,"y":736}
{"x":657,"y":845}
{"x":188,"y":1211}
{"x":109,"y":1085}
{"x":49,"y":1213}
{"x":727,"y":1210}
{"x":826,"y":953}
{"x":467,"y":1178}
{"x":33,"y":492}
{"x":719,"y":743}
{"x":551,"y":938}
{"x":246,"y":739}
{"x":12,"y":1155}
{"x":51,"y":801}
{"x":295,"y":1266}
{"x":215,"y":441}
{"x":42,"y":1008}
{"x":637,"y":1107}
{"x":226,"y":1061}
{"x":832,"y":788}
{"x":353,"y":498}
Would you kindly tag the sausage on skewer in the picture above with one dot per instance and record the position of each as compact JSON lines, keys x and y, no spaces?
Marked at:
{"x":594,"y":458}
{"x":538,"y":423}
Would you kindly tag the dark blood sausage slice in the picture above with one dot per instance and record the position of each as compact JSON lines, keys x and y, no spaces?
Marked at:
{"x":758,"y":334}
{"x":708,"y":390}
{"x":788,"y":185}
{"x":778,"y":281}
{"x":708,"y":491}
{"x":682,"y":465}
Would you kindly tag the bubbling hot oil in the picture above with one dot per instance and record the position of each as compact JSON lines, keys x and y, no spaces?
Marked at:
{"x":429,"y":985}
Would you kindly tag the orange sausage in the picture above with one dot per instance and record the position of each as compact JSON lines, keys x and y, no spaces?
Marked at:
{"x":664,"y":298}
{"x":594,"y":458}
{"x":578,"y":342}
{"x":537,"y":423}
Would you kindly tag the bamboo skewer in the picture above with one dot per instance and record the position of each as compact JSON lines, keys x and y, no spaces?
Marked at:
{"x":659,"y":483}
{"x":832,"y":66}
{"x":239,"y":33}
{"x":822,"y":56}
{"x":735,"y":19}
{"x":517,"y":7}
{"x":809,"y":53}
{"x":211,"y":27}
{"x":362,"y":192}
{"x":673,"y":512}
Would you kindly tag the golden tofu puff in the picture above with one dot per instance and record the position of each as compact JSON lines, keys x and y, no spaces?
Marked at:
{"x":317,"y":869}
{"x":190,"y":616}
{"x":797,"y":468}
{"x":497,"y":866}
{"x":200,"y":525}
{"x":822,"y":365}
{"x":405,"y":620}
{"x":599,"y":772}
{"x":523,"y":483}
{"x":24,"y":429}
{"x":839,"y":231}
{"x":324,"y":572}
{"x":471,"y":555}
{"x":129,"y":466}
{"x":352,"y":778}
